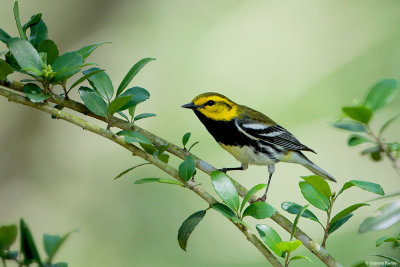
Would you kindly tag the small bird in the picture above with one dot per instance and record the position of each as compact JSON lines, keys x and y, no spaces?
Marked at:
{"x":250,"y":136}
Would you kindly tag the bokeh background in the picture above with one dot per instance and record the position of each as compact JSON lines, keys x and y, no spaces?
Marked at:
{"x":298,"y":62}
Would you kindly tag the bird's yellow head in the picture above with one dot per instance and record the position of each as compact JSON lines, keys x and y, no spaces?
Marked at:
{"x":214,"y":106}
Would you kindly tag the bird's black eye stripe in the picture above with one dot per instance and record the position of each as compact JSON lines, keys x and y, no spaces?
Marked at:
{"x":210,"y":103}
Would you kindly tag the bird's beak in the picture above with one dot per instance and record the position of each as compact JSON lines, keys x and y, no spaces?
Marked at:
{"x":190,"y":105}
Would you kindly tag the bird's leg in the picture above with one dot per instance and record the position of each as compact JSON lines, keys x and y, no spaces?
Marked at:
{"x":193,"y":176}
{"x":241,"y":168}
{"x":271,"y":169}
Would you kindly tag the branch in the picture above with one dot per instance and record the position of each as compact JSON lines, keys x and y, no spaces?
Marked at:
{"x":280,"y":219}
{"x":384,"y":148}
{"x":138,"y":152}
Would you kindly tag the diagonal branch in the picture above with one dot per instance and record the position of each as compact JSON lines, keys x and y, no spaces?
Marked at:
{"x":280,"y":219}
{"x":138,"y":152}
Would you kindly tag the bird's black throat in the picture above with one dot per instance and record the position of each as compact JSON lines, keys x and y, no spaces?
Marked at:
{"x":224,"y":132}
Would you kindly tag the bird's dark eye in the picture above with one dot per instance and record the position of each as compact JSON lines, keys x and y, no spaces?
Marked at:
{"x":210,"y":103}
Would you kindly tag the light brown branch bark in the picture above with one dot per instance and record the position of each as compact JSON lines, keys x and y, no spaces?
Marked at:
{"x":281,"y":220}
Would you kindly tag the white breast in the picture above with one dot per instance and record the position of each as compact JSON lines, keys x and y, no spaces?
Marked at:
{"x":247,"y":155}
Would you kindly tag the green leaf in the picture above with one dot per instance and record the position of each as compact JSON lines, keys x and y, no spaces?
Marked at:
{"x":85,"y":77}
{"x":356,"y":139}
{"x":59,"y":264}
{"x":388,"y":258}
{"x":66,"y":65}
{"x":28,"y":247}
{"x":395,"y":194}
{"x":4,"y":36}
{"x":394,"y":147}
{"x":101,"y":82}
{"x":314,"y":197}
{"x":132,"y":73}
{"x":123,"y":116}
{"x":8,"y":234}
{"x":26,"y":55}
{"x":13,"y":62}
{"x":295,"y":208}
{"x":93,"y":101}
{"x":118,"y":103}
{"x":10,"y":255}
{"x":185,"y":138}
{"x":188,"y":226}
{"x":347,"y":211}
{"x":259,"y":210}
{"x":338,"y":223}
{"x":160,"y":153}
{"x":132,"y":110}
{"x":386,"y":124}
{"x":33,"y":21}
{"x":149,"y":148}
{"x":224,"y":210}
{"x":299,"y":257}
{"x":134,"y":137}
{"x":319,"y":183}
{"x":163,"y":157}
{"x":38,"y":33}
{"x":289,"y":246}
{"x":376,"y":156}
{"x":251,"y":193}
{"x":162,"y":148}
{"x":225,"y":189}
{"x":139,"y":95}
{"x":361,"y":114}
{"x":18,"y":21}
{"x":195,"y":143}
{"x":296,"y":221}
{"x":5,"y":70}
{"x":52,"y":244}
{"x":143,"y":116}
{"x":187,"y":168}
{"x":51,"y":50}
{"x":270,"y":237}
{"x":87,"y":50}
{"x":34,"y":93}
{"x":386,"y":216}
{"x":383,"y":239}
{"x":130,"y":169}
{"x":368,"y":186}
{"x":381,"y":94}
{"x":351,"y":126}
{"x":158,"y":180}
{"x":373,"y":149}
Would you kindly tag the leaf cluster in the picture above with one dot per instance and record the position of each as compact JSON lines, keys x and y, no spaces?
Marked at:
{"x":358,"y":118}
{"x":34,"y":54}
{"x":318,"y":193}
{"x":28,"y":253}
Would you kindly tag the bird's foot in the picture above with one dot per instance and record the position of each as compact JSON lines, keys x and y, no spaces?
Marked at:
{"x":194,"y":174}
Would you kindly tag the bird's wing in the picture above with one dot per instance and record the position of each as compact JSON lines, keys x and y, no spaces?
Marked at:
{"x":270,"y":134}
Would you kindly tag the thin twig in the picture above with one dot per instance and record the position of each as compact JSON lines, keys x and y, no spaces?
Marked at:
{"x":207,"y":168}
{"x":384,"y":148}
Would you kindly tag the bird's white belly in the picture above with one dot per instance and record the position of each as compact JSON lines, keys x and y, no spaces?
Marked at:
{"x":247,"y":155}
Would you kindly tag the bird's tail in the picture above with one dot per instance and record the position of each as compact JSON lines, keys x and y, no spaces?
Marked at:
{"x":318,"y":171}
{"x":299,"y":158}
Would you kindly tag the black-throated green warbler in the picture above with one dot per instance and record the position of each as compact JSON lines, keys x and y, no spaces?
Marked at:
{"x":250,"y":136}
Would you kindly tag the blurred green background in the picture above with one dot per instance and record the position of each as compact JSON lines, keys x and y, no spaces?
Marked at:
{"x":298,"y":62}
